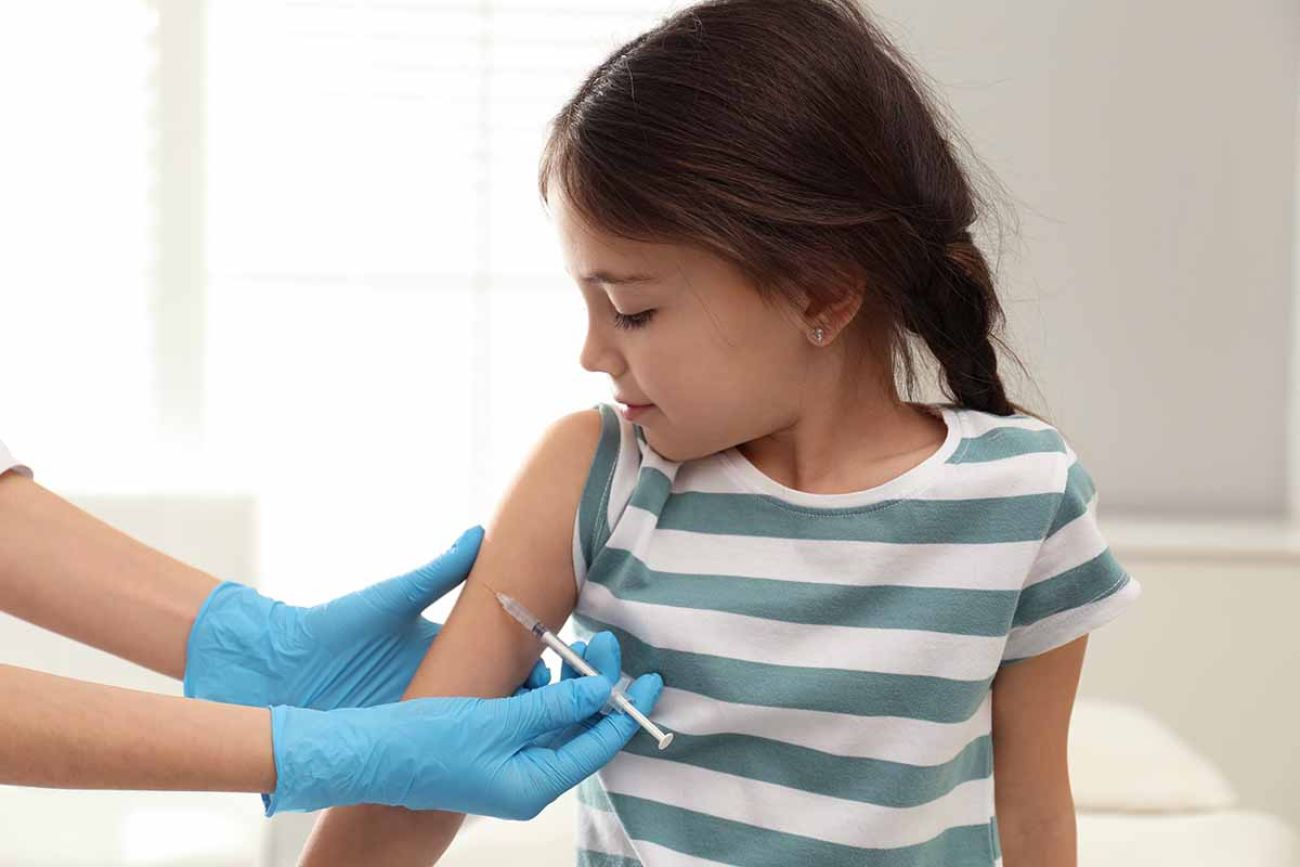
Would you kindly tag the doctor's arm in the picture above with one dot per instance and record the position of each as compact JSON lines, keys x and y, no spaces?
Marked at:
{"x":65,"y":570}
{"x":62,"y":733}
{"x":527,"y":553}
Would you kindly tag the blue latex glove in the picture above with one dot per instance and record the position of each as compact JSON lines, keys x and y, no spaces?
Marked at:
{"x":356,"y":651}
{"x":605,"y":656}
{"x":507,"y":757}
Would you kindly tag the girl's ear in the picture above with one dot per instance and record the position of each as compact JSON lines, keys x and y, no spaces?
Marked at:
{"x":834,"y":315}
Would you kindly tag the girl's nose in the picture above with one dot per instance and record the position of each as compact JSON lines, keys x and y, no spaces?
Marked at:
{"x":598,"y":356}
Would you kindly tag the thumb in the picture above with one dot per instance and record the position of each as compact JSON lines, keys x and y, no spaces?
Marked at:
{"x":591,"y":750}
{"x":415,"y":591}
{"x":561,"y":705}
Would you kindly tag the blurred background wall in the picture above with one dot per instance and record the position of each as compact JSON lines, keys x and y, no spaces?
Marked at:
{"x":289,"y":254}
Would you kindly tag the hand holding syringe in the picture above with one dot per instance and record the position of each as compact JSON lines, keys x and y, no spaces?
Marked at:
{"x":538,"y":628}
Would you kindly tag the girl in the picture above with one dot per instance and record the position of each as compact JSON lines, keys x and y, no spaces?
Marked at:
{"x":866,"y":610}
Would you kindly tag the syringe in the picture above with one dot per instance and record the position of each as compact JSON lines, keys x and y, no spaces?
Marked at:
{"x":538,"y":628}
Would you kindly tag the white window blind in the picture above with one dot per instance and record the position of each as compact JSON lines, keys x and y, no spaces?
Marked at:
{"x":81,"y":186}
{"x":77,"y":228}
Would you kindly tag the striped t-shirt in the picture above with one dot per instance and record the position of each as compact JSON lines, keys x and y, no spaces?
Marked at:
{"x":827,"y":658}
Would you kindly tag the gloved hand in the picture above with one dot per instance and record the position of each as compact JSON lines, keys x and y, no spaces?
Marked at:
{"x":506,"y":757}
{"x":355,"y":651}
{"x":605,"y":656}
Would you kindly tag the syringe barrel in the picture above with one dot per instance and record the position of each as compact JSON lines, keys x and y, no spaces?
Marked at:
{"x":567,"y":653}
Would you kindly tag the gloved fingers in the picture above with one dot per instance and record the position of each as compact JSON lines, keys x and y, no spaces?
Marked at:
{"x":540,"y":676}
{"x":407,"y":595}
{"x":560,"y":705}
{"x":555,"y":739}
{"x":644,"y":692}
{"x":590,"y":750}
{"x":603,"y":654}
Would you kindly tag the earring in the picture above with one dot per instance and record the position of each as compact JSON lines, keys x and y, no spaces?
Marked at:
{"x":818,"y":334}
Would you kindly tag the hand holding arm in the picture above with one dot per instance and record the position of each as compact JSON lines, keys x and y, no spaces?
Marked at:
{"x":358,"y":650}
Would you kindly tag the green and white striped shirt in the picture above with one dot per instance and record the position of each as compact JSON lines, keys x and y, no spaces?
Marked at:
{"x":827,"y":658}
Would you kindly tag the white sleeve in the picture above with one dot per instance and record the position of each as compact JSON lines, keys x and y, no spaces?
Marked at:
{"x":7,"y":463}
{"x":1075,"y":584}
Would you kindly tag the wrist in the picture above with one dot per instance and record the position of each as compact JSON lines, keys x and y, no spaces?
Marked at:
{"x":316,"y":759}
{"x":230,"y":655}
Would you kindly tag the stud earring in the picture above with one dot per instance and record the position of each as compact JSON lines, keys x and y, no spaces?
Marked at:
{"x":818,"y":334}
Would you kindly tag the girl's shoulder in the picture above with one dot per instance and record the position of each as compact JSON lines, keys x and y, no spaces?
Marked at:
{"x":987,"y":436}
{"x":1020,"y":453}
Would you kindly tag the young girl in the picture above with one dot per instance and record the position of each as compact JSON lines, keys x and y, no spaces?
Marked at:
{"x":760,"y":209}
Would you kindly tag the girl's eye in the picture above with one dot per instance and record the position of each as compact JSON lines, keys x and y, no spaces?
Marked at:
{"x":632,"y":320}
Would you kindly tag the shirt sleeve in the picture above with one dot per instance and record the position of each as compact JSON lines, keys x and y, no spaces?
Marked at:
{"x":7,"y":463}
{"x":607,"y":490}
{"x":591,"y":524}
{"x":1075,"y":584}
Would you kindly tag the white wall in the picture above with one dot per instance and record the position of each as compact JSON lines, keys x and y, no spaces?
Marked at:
{"x":1151,"y":149}
{"x":1210,"y":650}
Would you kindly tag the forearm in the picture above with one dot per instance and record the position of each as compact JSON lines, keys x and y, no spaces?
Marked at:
{"x":65,"y":570}
{"x":63,"y":733}
{"x":351,"y":835}
{"x":1049,"y":840}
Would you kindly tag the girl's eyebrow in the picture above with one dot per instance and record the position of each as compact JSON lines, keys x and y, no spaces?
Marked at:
{"x":616,"y":279}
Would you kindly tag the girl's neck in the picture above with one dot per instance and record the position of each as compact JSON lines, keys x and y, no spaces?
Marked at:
{"x":845,"y":439}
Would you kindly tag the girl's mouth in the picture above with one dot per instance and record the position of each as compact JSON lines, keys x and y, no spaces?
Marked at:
{"x":631,"y":412}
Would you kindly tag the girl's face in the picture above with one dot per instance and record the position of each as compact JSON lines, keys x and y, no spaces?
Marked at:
{"x":688,"y":335}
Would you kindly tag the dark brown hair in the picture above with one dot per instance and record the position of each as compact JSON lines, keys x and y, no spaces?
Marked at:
{"x":792,"y":138}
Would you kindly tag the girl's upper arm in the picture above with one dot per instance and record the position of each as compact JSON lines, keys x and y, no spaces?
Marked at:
{"x":1032,"y":703}
{"x":527,"y":553}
